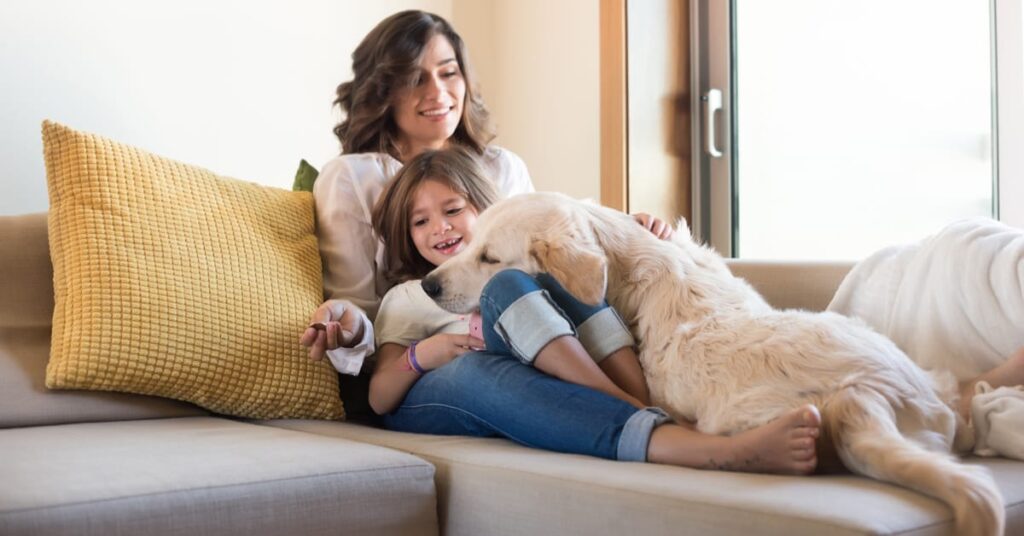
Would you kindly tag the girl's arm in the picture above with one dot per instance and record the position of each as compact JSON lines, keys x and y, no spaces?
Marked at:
{"x":391,"y":379}
{"x":393,"y":376}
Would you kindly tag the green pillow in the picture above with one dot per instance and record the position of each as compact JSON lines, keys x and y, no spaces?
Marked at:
{"x":305,"y":177}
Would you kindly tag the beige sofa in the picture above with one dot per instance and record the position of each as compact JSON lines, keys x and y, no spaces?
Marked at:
{"x":104,"y":463}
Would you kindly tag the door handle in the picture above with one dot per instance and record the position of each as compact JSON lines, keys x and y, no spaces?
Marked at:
{"x":712,"y":105}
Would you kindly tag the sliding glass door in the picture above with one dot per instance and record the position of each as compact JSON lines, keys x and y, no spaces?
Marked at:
{"x":827,"y":129}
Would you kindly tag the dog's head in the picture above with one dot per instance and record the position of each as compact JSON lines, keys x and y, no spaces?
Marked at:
{"x":537,"y":232}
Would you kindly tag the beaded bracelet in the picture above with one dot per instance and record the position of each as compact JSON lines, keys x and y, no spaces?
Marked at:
{"x":411,"y":356}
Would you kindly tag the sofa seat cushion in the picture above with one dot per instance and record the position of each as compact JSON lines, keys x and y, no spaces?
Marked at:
{"x":206,"y":475}
{"x":492,"y":486}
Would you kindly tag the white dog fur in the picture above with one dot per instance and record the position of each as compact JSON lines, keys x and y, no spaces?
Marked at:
{"x":714,"y":352}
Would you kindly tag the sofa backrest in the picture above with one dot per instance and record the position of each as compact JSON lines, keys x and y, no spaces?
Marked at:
{"x":793,"y":284}
{"x":26,"y":311}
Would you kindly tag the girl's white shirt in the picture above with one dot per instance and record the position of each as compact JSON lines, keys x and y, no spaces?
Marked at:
{"x":353,"y":258}
{"x":407,"y":315}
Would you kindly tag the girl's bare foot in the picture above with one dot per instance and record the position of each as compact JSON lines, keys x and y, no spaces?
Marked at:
{"x":784,"y":446}
{"x":1008,"y":374}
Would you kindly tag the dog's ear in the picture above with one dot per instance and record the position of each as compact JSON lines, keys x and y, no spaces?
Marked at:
{"x":579,"y":269}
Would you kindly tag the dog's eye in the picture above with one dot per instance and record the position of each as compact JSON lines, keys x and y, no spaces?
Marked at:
{"x":486,"y":259}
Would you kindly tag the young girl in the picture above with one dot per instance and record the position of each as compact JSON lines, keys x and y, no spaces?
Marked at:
{"x":552,"y":362}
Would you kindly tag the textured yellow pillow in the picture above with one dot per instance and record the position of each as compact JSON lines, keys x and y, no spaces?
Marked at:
{"x":175,"y":282}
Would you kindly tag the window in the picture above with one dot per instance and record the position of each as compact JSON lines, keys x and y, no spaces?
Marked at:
{"x":827,"y":129}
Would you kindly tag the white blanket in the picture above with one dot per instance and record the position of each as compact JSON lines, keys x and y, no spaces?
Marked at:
{"x":954,"y":301}
{"x":998,"y":415}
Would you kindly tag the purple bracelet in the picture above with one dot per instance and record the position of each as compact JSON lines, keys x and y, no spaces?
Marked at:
{"x":412,"y":359}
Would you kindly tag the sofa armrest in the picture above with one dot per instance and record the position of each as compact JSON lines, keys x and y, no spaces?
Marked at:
{"x":793,"y":284}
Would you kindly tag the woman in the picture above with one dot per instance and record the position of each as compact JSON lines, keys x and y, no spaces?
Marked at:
{"x":412,"y":91}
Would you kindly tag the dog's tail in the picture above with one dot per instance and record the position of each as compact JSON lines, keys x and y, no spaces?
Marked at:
{"x":863,"y":427}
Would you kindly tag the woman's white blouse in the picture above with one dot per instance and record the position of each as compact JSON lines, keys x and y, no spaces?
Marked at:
{"x":353,"y":258}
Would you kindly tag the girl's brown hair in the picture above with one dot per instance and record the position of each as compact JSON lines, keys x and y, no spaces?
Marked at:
{"x":457,"y":169}
{"x":387,"y":60}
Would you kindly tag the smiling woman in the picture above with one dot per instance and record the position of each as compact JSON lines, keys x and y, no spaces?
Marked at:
{"x":427,"y":111}
{"x":412,"y":90}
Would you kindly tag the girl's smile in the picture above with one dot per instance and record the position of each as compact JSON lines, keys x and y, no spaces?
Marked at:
{"x":440,"y":222}
{"x":451,"y":246}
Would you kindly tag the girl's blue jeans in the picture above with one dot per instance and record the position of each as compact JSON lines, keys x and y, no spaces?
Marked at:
{"x":498,"y":392}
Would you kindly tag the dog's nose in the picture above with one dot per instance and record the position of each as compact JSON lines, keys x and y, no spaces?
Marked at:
{"x":431,"y":287}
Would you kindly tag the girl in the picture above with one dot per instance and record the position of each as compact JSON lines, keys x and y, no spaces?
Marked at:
{"x":540,"y":385}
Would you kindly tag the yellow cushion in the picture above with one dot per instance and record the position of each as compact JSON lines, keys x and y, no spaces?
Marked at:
{"x":175,"y":282}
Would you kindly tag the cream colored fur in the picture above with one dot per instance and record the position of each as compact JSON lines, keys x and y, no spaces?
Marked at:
{"x":714,"y":352}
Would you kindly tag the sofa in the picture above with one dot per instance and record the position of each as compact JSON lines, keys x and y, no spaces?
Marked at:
{"x":83,"y":462}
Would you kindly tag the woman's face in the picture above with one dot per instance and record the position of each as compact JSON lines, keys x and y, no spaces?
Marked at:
{"x":428,"y":113}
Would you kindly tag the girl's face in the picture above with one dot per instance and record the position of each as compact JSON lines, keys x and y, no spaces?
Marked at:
{"x":440,"y":222}
{"x":428,"y":113}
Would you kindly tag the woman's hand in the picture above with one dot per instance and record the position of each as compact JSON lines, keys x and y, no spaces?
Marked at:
{"x":440,"y":349}
{"x":657,"y":227}
{"x":336,"y":323}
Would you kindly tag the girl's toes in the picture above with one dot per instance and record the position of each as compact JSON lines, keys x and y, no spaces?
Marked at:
{"x":803,"y":455}
{"x":807,"y":467}
{"x":802,"y":443}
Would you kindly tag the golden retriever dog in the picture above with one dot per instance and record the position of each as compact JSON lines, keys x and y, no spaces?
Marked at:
{"x":714,"y":352}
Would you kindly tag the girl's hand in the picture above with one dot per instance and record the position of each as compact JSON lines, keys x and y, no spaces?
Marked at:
{"x":657,"y":227}
{"x":440,"y":349}
{"x":335,"y":323}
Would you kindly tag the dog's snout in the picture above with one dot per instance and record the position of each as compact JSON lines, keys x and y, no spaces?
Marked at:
{"x":431,"y":286}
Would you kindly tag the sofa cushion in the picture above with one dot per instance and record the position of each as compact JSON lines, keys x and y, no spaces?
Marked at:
{"x":172,"y":281}
{"x":204,"y":475}
{"x":27,"y":284}
{"x":492,"y":486}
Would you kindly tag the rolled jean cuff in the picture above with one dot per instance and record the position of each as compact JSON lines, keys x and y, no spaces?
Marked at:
{"x":530,"y":323}
{"x":604,"y":333}
{"x":636,"y":434}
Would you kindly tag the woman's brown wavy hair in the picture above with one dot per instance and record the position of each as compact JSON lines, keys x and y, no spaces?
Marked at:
{"x":388,"y":59}
{"x":454,"y":167}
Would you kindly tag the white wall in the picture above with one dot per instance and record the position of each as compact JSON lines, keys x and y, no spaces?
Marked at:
{"x":244,"y":88}
{"x":542,"y":84}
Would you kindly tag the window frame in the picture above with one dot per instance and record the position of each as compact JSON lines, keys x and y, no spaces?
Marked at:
{"x":1008,"y":116}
